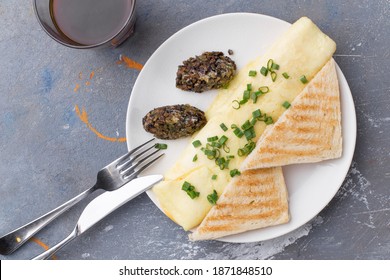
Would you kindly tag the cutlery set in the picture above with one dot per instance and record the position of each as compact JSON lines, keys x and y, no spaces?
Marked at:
{"x":121,"y":182}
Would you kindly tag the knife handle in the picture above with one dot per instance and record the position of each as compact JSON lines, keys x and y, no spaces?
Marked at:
{"x":50,"y":252}
{"x":13,"y":240}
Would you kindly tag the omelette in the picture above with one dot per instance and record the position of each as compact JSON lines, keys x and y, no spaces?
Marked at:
{"x":281,"y":74}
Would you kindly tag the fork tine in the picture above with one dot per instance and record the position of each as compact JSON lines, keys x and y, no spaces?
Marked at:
{"x":125,"y":164}
{"x":137,"y":163}
{"x":124,"y":158}
{"x":130,"y":176}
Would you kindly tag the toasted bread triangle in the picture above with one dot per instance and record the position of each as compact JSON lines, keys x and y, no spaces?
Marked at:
{"x":255,"y":199}
{"x":309,"y":131}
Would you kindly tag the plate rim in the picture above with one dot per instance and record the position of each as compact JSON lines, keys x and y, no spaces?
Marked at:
{"x":352,"y":123}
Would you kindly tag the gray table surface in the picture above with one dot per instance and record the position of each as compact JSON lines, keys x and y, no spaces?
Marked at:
{"x":48,"y":154}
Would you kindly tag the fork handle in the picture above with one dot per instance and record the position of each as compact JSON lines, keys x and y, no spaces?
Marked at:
{"x":13,"y":240}
{"x":50,"y":252}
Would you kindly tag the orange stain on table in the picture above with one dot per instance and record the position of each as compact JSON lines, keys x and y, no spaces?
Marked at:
{"x":43,"y":245}
{"x":129,"y":62}
{"x":84,"y":118}
{"x":91,"y":75}
{"x":76,"y":88}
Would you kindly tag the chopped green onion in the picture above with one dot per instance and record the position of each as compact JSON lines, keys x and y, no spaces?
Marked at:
{"x":238,"y":132}
{"x":196,"y":143}
{"x":274,"y":66}
{"x":223,"y":126}
{"x":264,"y":89}
{"x":220,"y":162}
{"x":286,"y":104}
{"x":248,"y":87}
{"x":211,"y":139}
{"x":234,"y":172}
{"x":246,"y":125}
{"x":195,"y":158}
{"x":285,"y":75}
{"x":273,"y":76}
{"x":161,"y":146}
{"x":222,"y":140}
{"x":243,"y":101}
{"x":213,"y":197}
{"x":252,"y":73}
{"x":303,"y":79}
{"x":256,"y":114}
{"x":214,"y":177}
{"x":233,"y":126}
{"x":250,"y":133}
{"x":269,"y":64}
{"x":254,"y":96}
{"x":190,"y":190}
{"x":226,"y":149}
{"x":248,"y":148}
{"x":216,"y":145}
{"x":246,"y":95}
{"x":253,"y":121}
{"x":210,"y":153}
{"x":225,"y":86}
{"x":264,"y":71}
{"x":237,"y":106}
{"x":229,"y":156}
{"x":269,"y":120}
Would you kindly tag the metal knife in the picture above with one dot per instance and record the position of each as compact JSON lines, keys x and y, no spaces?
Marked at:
{"x":102,"y":206}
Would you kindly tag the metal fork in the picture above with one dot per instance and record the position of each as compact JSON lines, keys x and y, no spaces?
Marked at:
{"x":109,"y":178}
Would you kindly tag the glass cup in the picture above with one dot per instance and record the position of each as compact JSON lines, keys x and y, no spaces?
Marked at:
{"x":46,"y":18}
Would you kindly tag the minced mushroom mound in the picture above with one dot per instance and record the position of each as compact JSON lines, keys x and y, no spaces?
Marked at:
{"x":210,"y":70}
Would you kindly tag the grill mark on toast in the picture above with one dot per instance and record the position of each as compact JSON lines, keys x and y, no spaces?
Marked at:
{"x":212,"y":225}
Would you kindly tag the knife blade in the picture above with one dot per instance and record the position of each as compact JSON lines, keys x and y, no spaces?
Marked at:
{"x":108,"y":202}
{"x":102,"y":206}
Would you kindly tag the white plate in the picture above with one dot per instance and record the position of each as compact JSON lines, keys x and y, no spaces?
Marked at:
{"x":310,"y":186}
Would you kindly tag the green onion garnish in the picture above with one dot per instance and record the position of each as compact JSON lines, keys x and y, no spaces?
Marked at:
{"x":252,"y":73}
{"x":254,"y":97}
{"x":211,"y":139}
{"x":216,"y":145}
{"x":226,"y":149}
{"x":190,"y":190}
{"x":274,"y":66}
{"x":256,"y":114}
{"x":264,"y":89}
{"x":253,"y":121}
{"x":285,"y":75}
{"x":196,"y":143}
{"x":264,"y":71}
{"x":269,"y":120}
{"x":238,"y":132}
{"x":161,"y":146}
{"x":249,"y":87}
{"x":234,"y":172}
{"x":286,"y":104}
{"x":223,"y":126}
{"x":195,"y":158}
{"x":238,"y":105}
{"x":214,"y":177}
{"x":248,"y":148}
{"x":246,"y":125}
{"x":243,"y":101}
{"x":250,"y":133}
{"x":303,"y":79}
{"x":273,"y":76}
{"x":269,"y":64}
{"x":246,"y":95}
{"x":213,"y":197}
{"x":210,"y":153}
{"x":222,"y":140}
